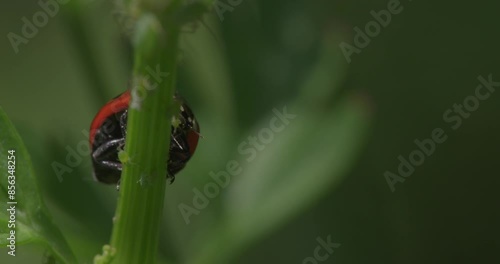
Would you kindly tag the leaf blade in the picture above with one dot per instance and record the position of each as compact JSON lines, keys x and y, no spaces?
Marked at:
{"x":33,"y":221}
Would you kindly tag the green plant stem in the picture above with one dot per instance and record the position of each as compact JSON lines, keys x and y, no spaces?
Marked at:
{"x":137,"y":220}
{"x":136,"y":226}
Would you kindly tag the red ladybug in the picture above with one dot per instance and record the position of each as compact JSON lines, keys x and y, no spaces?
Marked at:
{"x":107,"y":138}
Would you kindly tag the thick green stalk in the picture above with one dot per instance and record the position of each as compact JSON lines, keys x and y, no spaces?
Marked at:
{"x":137,"y":220}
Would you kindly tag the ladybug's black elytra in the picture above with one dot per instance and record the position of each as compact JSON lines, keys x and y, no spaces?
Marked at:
{"x":107,"y":138}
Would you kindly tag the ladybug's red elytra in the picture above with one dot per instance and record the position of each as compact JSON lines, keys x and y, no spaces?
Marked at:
{"x":107,"y":138}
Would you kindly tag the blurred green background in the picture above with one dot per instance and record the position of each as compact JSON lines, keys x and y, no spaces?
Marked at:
{"x":324,"y":173}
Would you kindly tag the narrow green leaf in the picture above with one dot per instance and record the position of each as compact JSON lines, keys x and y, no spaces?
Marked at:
{"x":298,"y":167}
{"x":305,"y":161}
{"x":33,"y":222}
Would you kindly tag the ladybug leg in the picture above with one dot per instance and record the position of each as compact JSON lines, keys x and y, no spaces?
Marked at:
{"x":106,"y":146}
{"x":97,"y":154}
{"x":112,"y":164}
{"x":179,"y":155}
{"x":176,"y":142}
{"x":171,"y":178}
{"x":123,"y":123}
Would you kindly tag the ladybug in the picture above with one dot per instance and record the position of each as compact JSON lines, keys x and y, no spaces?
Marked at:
{"x":108,"y":132}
